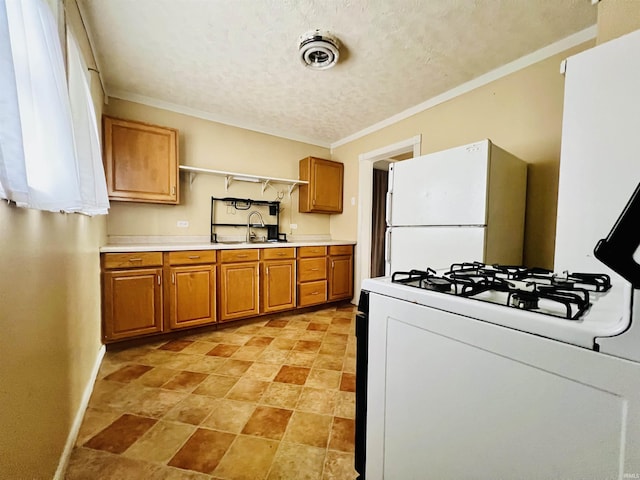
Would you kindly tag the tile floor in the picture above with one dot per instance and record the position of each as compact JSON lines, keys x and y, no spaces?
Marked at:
{"x":272,"y":399}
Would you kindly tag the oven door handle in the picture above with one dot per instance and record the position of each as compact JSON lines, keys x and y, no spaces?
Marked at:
{"x":617,"y":250}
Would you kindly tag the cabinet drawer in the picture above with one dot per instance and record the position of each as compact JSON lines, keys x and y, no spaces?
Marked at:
{"x":131,"y":260}
{"x":340,"y":249}
{"x":311,"y":251}
{"x":312,"y":293}
{"x":278,"y":253}
{"x":188,"y":257}
{"x":312,"y":269}
{"x":241,"y":255}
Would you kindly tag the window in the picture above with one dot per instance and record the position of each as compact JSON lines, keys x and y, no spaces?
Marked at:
{"x":49,"y":150}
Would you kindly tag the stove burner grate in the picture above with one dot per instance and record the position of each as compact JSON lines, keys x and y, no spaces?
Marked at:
{"x":526,"y":288}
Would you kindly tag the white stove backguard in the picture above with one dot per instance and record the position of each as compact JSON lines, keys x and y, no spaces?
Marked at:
{"x":627,"y":344}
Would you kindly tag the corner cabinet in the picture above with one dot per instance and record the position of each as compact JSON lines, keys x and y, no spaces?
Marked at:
{"x":140,"y":161}
{"x":324,"y":192}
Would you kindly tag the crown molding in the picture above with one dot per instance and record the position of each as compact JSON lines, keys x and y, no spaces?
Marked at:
{"x":522,"y":62}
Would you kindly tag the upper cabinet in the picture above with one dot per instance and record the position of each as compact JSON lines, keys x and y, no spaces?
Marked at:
{"x":141,"y":161}
{"x":323,"y":194}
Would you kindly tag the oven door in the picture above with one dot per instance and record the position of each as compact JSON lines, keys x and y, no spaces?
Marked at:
{"x":451,"y":396}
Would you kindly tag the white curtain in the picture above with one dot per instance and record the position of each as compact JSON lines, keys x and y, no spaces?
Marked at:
{"x":58,"y":166}
{"x":13,"y":176}
{"x":93,"y":185}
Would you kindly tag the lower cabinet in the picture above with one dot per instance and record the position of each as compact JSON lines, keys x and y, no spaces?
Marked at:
{"x":340,"y":272}
{"x":278,"y":279}
{"x":147,"y":293}
{"x":131,"y":295}
{"x":239,"y":284}
{"x":312,"y":276}
{"x":190,"y":288}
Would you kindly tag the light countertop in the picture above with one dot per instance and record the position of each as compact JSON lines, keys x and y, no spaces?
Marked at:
{"x":178,"y":246}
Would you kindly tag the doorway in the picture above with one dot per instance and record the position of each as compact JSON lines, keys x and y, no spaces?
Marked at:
{"x":408,"y":148}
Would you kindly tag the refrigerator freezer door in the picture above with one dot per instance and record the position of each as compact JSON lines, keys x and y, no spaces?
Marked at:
{"x":434,"y":247}
{"x":443,"y":188}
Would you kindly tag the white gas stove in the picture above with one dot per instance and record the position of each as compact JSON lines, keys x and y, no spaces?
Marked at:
{"x":582,"y":309}
{"x":499,"y":372}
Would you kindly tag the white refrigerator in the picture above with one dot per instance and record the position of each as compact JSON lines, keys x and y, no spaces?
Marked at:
{"x":458,"y":205}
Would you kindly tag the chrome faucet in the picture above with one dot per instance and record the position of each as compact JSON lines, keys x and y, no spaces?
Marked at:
{"x":251,"y":214}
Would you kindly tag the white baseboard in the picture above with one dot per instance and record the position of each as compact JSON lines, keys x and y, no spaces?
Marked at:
{"x":77,"y":421}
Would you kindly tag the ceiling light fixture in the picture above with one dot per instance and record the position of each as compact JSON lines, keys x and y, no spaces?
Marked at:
{"x":318,"y":50}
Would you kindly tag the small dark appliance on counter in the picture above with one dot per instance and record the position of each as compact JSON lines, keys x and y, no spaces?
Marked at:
{"x":268,"y":212}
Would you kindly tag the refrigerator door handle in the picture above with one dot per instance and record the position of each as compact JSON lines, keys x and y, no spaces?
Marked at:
{"x":387,"y":213}
{"x":387,"y":245}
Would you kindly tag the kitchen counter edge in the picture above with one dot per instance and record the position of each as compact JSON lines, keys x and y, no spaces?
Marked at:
{"x":176,"y":247}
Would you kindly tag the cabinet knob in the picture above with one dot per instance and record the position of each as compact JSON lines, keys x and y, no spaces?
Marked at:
{"x":173,"y":190}
{"x":194,"y":257}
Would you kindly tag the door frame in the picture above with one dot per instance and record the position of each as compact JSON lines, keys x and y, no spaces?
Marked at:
{"x":365,"y":200}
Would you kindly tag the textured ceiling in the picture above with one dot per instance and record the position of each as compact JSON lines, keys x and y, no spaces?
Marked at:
{"x":237,"y":60}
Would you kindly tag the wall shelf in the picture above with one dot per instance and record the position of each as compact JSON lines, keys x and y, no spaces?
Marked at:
{"x":230,"y":177}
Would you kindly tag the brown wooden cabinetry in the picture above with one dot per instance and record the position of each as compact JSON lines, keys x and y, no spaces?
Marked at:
{"x":191,"y":288}
{"x":323,"y":194}
{"x":312,"y":275}
{"x":132,"y":295}
{"x":147,"y":293}
{"x":239,"y":284}
{"x":141,"y":161}
{"x":340,"y":272}
{"x":278,"y":279}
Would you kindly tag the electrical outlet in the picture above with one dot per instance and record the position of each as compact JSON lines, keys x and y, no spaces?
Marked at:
{"x":294,"y":226}
{"x":182,"y":224}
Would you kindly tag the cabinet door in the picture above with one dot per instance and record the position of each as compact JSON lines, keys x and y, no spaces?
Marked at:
{"x":340,"y":277}
{"x":323,"y":194}
{"x":192,"y":296}
{"x":141,"y":161}
{"x":132,"y":303}
{"x":238,"y":290}
{"x":278,"y":285}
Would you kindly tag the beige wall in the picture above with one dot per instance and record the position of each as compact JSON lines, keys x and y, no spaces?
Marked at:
{"x":617,"y":17}
{"x":521,"y":113}
{"x":50,"y":323}
{"x":215,"y":146}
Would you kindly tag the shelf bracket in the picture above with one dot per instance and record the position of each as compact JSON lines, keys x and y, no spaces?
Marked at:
{"x":227,"y":181}
{"x":292,"y":187}
{"x":265,"y":184}
{"x":192,"y":177}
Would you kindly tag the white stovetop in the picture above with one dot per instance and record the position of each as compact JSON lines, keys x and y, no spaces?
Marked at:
{"x":609,"y":314}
